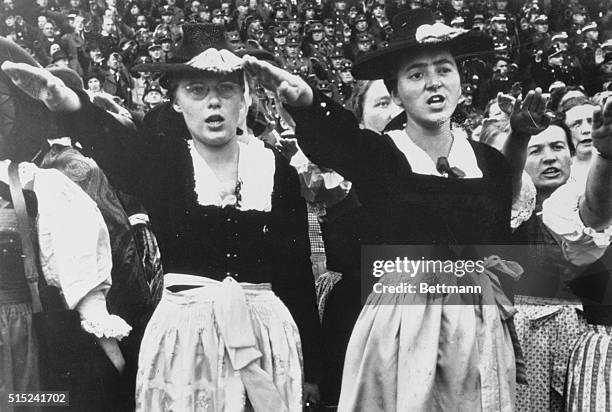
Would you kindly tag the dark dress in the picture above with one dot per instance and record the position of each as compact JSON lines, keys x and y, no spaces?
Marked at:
{"x":398,"y":207}
{"x":251,"y":246}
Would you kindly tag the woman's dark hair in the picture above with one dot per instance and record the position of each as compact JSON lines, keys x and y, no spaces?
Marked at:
{"x":568,"y":134}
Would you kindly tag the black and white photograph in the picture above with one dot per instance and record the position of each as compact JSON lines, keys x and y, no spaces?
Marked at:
{"x":305,"y":205}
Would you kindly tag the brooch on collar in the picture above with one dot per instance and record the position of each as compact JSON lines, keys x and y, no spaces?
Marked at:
{"x":234,"y":199}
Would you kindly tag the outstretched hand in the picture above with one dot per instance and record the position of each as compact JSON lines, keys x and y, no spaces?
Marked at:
{"x":529,"y":117}
{"x":41,"y":85}
{"x":602,"y":129}
{"x":290,"y":89}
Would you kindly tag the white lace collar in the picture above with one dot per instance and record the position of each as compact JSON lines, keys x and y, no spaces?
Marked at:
{"x":256,"y":167}
{"x":461,"y":155}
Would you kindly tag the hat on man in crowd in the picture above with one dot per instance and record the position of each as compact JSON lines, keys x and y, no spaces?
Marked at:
{"x":94,"y":74}
{"x":541,"y":19}
{"x":346,"y":66}
{"x":592,"y":26}
{"x":167,"y":11}
{"x":478,"y":17}
{"x":360,"y":17}
{"x":499,"y":18}
{"x":280,"y":32}
{"x":324,"y":86}
{"x":233,"y":36}
{"x":293,"y":41}
{"x":364,"y":38}
{"x":59,"y":55}
{"x":559,"y":37}
{"x":315,"y":25}
{"x":153,"y":87}
{"x":143,"y":60}
{"x":413,"y":31}
{"x":279,"y":5}
{"x":154,"y":46}
{"x":457,"y":22}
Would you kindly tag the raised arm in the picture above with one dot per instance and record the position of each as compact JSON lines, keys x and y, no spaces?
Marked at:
{"x":528,"y":118}
{"x":327,"y":133}
{"x":581,"y":218}
{"x":109,"y":139}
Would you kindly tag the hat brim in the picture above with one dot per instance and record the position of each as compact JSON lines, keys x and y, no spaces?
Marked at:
{"x":378,"y":64}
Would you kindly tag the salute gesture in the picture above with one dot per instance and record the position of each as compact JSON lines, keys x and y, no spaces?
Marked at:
{"x":528,"y":116}
{"x":290,"y":89}
{"x":41,"y":85}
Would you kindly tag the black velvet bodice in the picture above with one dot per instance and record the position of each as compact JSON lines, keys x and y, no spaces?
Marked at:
{"x":402,"y":206}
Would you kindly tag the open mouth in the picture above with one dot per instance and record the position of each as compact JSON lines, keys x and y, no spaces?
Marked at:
{"x":437,"y":100}
{"x":586,"y":142}
{"x":214,"y":120}
{"x":551,"y":172}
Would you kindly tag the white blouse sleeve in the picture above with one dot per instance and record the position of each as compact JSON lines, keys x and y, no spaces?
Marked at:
{"x":581,"y":245}
{"x":75,"y":250}
{"x":524,"y":205}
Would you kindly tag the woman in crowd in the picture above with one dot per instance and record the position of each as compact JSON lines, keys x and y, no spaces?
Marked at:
{"x":437,"y":189}
{"x":372,"y":105}
{"x":412,"y":206}
{"x":566,"y":264}
{"x":224,"y":212}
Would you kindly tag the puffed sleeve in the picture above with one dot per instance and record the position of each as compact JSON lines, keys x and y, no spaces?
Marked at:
{"x":524,"y":205}
{"x":581,"y":245}
{"x":320,"y":186}
{"x":75,"y":251}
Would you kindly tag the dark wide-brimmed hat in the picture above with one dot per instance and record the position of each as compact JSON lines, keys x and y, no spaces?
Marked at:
{"x":204,"y":48}
{"x":414,"y":31}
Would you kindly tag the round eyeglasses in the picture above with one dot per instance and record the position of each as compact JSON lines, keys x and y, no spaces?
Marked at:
{"x":225,"y":90}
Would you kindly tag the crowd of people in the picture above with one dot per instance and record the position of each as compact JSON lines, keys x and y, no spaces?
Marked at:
{"x":549,"y":44}
{"x":204,"y":175}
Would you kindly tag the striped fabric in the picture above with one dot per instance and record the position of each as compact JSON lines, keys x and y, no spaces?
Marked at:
{"x":589,"y":387}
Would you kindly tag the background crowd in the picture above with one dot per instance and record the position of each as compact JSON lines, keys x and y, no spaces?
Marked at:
{"x":563,"y":47}
{"x":550,"y":44}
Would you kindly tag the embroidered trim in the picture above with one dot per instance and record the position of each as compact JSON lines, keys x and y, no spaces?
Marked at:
{"x":107,"y":327}
{"x":524,"y":205}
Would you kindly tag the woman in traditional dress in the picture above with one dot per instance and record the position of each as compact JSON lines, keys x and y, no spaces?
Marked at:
{"x":422,"y":185}
{"x":232,"y":230}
